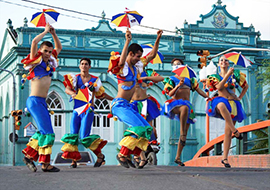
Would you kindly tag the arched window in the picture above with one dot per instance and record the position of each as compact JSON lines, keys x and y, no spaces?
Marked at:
{"x":102,"y":125}
{"x":55,"y":103}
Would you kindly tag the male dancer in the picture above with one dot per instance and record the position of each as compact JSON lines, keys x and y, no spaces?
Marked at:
{"x":137,"y":135}
{"x":82,"y":122}
{"x":41,"y":63}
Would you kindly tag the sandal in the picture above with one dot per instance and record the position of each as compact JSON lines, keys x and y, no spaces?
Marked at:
{"x":53,"y":169}
{"x":136,"y":161}
{"x":30,"y":164}
{"x":123,"y":163}
{"x":74,"y":165}
{"x":98,"y":164}
{"x":178,"y":161}
{"x":145,"y":162}
{"x":130,"y":163}
{"x":227,"y":165}
{"x":240,"y":137}
{"x":183,"y":143}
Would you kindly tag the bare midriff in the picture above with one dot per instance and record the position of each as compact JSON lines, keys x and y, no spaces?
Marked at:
{"x":40,"y":87}
{"x":125,"y":94}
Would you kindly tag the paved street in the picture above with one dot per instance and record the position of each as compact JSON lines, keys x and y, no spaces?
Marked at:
{"x":119,"y":178}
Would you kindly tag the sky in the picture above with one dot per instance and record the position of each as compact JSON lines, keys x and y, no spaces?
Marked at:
{"x":161,"y":14}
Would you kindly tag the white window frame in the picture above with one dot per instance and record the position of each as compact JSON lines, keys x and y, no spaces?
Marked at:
{"x":100,"y":130}
{"x":156,"y":123}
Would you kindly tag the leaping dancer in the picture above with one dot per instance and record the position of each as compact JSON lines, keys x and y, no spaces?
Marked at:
{"x":136,"y":137}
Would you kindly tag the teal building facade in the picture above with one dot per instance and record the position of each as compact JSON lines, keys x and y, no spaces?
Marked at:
{"x":216,"y":32}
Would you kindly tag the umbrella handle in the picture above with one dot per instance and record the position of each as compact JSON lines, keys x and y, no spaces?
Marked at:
{"x":99,"y":115}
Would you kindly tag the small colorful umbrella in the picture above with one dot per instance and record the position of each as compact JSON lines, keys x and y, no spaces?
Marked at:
{"x":147,"y":48}
{"x":42,"y":18}
{"x":238,"y":59}
{"x":127,"y":19}
{"x":82,"y":100}
{"x":185,"y":71}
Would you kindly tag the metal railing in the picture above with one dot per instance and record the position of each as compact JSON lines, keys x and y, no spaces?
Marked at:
{"x":242,"y":146}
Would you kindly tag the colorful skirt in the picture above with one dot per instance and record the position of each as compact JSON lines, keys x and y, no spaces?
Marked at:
{"x":233,"y":106}
{"x":169,"y":105}
{"x":148,"y":108}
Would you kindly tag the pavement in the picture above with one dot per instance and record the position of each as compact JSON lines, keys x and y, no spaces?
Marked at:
{"x":148,"y":178}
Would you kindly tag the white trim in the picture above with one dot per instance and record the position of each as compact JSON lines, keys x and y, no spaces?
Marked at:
{"x":157,"y":127}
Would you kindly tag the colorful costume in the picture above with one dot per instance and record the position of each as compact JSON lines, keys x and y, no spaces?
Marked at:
{"x":82,"y":122}
{"x":169,"y":105}
{"x":149,"y":108}
{"x":40,"y":144}
{"x":233,"y":106}
{"x":137,"y":135}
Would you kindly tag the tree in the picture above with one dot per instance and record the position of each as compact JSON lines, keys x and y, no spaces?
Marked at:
{"x":263,"y":80}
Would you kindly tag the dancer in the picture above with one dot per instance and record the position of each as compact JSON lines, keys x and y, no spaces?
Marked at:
{"x":227,"y":105}
{"x":179,"y":107}
{"x":41,"y":63}
{"x":146,"y":105}
{"x":137,"y":135}
{"x":82,"y":122}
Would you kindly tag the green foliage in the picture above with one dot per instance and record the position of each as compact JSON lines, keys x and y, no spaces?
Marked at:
{"x":263,"y":80}
{"x":263,"y":76}
{"x":262,"y":144}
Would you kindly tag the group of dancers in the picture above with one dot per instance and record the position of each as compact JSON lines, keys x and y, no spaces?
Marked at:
{"x":132,"y":105}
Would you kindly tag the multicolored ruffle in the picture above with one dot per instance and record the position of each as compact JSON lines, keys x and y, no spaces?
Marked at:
{"x":40,"y":146}
{"x":234,"y":107}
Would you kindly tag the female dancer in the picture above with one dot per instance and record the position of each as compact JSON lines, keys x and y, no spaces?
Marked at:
{"x":179,"y":106}
{"x":227,"y":105}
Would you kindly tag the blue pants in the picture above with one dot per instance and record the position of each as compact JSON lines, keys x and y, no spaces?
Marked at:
{"x":82,"y":123}
{"x":125,"y":113}
{"x":38,"y":109}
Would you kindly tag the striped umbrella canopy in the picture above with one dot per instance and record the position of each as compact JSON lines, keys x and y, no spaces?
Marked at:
{"x":185,"y":71}
{"x":42,"y":18}
{"x":127,"y":19}
{"x":147,"y":48}
{"x":82,"y":100}
{"x":238,"y":59}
